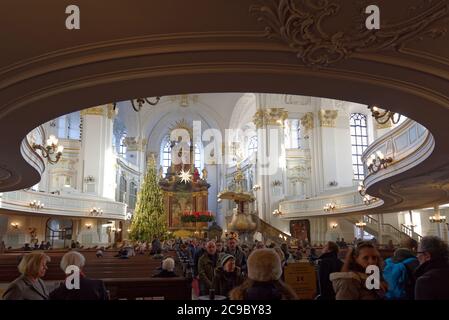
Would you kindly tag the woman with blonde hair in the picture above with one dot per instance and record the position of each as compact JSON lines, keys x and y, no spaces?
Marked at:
{"x":350,"y":283}
{"x":29,"y":286}
{"x":264,"y":279}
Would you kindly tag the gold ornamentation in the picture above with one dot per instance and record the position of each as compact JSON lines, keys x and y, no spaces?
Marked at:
{"x":111,"y":112}
{"x":94,"y":111}
{"x":270,"y":116}
{"x":182,"y":124}
{"x":307,"y":121}
{"x":386,"y":125}
{"x":327,"y":118}
{"x":303,"y":26}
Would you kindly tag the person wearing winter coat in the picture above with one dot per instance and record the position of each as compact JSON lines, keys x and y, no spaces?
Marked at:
{"x":328,"y":263}
{"x":399,"y":274}
{"x":264,"y":279}
{"x":227,"y":276}
{"x":432,"y":275}
{"x":350,"y":284}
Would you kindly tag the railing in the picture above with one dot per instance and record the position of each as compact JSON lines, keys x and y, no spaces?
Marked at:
{"x":348,"y":201}
{"x":388,"y":229}
{"x":272,"y":233}
{"x":269,"y":232}
{"x":62,"y":204}
{"x":408,"y":144}
{"x":410,"y":232}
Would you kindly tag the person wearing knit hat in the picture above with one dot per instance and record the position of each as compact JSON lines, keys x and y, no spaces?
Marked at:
{"x":227,"y":275}
{"x":264,"y":279}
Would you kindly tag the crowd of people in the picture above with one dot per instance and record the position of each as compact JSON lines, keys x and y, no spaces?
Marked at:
{"x":255,"y":271}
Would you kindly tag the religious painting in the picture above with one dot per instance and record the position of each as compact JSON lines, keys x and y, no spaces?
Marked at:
{"x":300,"y":229}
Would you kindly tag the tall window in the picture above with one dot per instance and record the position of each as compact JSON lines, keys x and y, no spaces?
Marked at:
{"x":132,"y":195}
{"x":252,"y":145}
{"x":292,"y":134}
{"x":69,"y":126}
{"x":197,"y":157}
{"x":359,"y":142}
{"x":166,"y":156}
{"x":122,"y":146}
{"x":122,"y":190}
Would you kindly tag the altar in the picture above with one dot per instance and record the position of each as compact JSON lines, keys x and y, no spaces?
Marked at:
{"x":184,"y":190}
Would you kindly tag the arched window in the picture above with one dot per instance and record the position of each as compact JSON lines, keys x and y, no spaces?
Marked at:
{"x":359,"y":142}
{"x":122,"y":190}
{"x":166,"y":156}
{"x":132,"y":195}
{"x":69,"y":126}
{"x":252,"y":145}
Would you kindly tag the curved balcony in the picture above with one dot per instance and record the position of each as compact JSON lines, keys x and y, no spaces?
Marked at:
{"x":349,"y":201}
{"x":408,"y":145}
{"x":62,"y":205}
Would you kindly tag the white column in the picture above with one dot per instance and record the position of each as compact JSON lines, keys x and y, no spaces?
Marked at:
{"x":97,"y":153}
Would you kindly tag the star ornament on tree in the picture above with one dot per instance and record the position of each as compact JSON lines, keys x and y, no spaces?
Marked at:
{"x":185,"y":176}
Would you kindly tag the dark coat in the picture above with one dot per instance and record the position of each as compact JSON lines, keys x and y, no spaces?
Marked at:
{"x":89,"y":290}
{"x":165,"y":274}
{"x":327,"y":263}
{"x":240,"y":258}
{"x":226,"y":281}
{"x":23,"y":288}
{"x":206,"y":269}
{"x":263,"y":291}
{"x":432,"y":281}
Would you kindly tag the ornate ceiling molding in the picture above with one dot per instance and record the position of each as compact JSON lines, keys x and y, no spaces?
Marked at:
{"x":302,"y":25}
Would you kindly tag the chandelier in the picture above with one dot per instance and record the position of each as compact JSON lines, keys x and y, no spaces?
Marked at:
{"x":96,"y":211}
{"x":383,"y":116}
{"x":277,"y":212}
{"x":367,"y":199}
{"x":329,"y":207}
{"x":50,"y":149}
{"x":138,"y":103}
{"x":378,"y":161}
{"x":360,"y":224}
{"x":437,"y":219}
{"x":36,"y":205}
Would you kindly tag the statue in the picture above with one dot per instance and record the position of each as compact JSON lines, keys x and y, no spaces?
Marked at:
{"x":196,"y":175}
{"x":161,"y":173}
{"x":204,"y":174}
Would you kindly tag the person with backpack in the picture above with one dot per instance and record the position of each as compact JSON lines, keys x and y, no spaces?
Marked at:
{"x":399,"y":274}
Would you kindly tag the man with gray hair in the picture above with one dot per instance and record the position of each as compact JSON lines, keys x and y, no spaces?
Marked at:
{"x":89,"y":289}
{"x":432,"y":275}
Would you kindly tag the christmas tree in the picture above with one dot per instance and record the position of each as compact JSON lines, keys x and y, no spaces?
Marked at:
{"x":149,"y":219}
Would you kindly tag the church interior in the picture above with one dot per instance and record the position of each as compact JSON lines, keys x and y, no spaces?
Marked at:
{"x":168,"y":160}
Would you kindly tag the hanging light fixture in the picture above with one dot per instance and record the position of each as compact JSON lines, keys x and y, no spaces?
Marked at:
{"x":36,"y":205}
{"x":383,"y":116}
{"x":138,"y":103}
{"x":329,"y":207}
{"x":360,"y":224}
{"x":437,"y":219}
{"x":378,"y":161}
{"x":277,"y":213}
{"x":50,"y":149}
{"x":367,"y":199}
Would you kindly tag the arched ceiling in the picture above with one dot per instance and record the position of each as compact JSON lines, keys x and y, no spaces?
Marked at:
{"x":157,"y":48}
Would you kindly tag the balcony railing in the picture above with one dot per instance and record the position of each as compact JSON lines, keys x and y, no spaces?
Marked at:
{"x":62,"y":204}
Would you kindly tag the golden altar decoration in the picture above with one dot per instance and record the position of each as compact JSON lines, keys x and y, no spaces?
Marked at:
{"x":184,"y":189}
